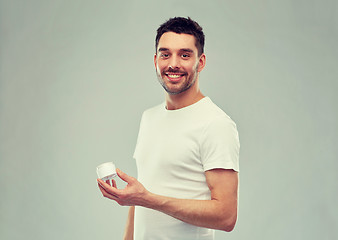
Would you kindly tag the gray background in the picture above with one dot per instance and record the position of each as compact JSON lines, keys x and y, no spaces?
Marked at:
{"x":75,"y":77}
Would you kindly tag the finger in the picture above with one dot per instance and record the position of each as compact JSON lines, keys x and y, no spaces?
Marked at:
{"x":102,"y":183}
{"x":108,"y":182}
{"x":124,"y":176}
{"x":108,"y":188}
{"x":113,"y":183}
{"x":107,"y":194}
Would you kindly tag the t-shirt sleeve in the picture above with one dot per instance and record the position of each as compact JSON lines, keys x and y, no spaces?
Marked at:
{"x":220,"y":145}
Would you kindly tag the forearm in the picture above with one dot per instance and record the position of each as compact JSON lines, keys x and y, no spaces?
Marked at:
{"x":129,"y":229}
{"x":204,"y":213}
{"x":220,"y":212}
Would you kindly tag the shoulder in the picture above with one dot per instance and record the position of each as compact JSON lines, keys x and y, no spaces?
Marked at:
{"x":214,"y":115}
{"x":151,"y":114}
{"x":218,"y":127}
{"x":153,"y":110}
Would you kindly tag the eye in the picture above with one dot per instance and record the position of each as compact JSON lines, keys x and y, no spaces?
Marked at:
{"x":185,"y":56}
{"x":164,"y":55}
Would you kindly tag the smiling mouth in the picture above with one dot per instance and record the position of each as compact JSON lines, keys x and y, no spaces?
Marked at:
{"x":174,"y":77}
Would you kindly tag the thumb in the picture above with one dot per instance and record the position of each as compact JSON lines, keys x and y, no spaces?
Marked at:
{"x":124,"y":176}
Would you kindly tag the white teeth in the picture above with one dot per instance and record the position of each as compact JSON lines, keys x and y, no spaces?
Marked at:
{"x":174,"y":76}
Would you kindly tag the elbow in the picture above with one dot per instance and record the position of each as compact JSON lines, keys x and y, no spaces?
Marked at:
{"x":228,"y":224}
{"x":228,"y":228}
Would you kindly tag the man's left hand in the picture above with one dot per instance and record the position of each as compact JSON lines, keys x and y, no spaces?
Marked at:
{"x":133,"y":194}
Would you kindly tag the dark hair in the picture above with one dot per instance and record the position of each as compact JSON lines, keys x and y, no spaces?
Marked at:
{"x":182,"y":25}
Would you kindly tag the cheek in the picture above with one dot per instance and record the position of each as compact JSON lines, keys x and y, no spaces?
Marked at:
{"x":160,"y":66}
{"x":189,"y":68}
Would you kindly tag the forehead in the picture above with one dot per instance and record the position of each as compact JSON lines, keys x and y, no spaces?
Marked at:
{"x":175,"y":41}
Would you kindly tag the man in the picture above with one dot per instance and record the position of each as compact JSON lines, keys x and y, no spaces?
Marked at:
{"x":186,"y":153}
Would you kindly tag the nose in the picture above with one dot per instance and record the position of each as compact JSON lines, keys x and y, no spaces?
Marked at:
{"x":174,"y":62}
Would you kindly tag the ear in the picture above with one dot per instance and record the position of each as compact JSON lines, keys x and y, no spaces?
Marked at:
{"x":201,"y":62}
{"x":155,"y":58}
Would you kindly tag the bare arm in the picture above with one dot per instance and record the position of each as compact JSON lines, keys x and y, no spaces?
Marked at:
{"x":129,"y":230}
{"x":220,"y":212}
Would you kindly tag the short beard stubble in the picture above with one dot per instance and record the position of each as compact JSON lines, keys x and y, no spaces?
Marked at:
{"x":186,"y":85}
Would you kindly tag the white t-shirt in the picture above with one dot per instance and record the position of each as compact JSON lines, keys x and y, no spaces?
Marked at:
{"x":173,"y":151}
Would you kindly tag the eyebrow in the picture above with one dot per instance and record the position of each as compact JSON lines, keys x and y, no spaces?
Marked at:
{"x":163,"y":49}
{"x":182,"y":50}
{"x":186,"y":50}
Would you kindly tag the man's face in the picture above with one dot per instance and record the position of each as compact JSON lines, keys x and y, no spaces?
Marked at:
{"x":177,"y":62}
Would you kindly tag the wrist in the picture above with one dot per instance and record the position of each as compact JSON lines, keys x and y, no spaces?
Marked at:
{"x":149,"y":200}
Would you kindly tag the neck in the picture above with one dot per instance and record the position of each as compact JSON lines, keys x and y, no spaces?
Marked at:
{"x":184,"y":99}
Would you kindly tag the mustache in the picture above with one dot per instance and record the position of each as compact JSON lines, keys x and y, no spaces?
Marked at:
{"x":170,"y":70}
